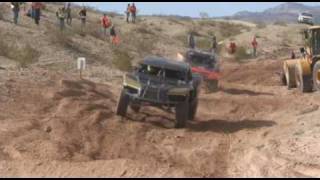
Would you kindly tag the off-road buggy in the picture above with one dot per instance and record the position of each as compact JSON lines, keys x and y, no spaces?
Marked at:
{"x":206,"y":64}
{"x":163,"y":83}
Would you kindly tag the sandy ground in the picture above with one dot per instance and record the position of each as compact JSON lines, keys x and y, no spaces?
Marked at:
{"x":60,"y":126}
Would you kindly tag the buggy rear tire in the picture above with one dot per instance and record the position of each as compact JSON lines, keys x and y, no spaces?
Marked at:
{"x":193,"y":109}
{"x":182,"y":114}
{"x":123,"y":104}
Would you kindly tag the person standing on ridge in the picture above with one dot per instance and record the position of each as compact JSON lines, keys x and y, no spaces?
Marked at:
{"x":191,"y":41}
{"x":114,"y":37}
{"x":214,"y":44}
{"x":83,"y":16}
{"x":106,"y":23}
{"x":37,"y":11}
{"x":128,"y":13}
{"x":68,"y":13}
{"x":133,"y":11}
{"x":254,"y":46}
{"x":16,"y":9}
{"x":61,"y":14}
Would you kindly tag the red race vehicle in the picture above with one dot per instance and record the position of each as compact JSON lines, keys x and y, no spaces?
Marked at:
{"x":206,"y":64}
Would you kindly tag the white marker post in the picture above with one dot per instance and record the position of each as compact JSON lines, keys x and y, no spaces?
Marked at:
{"x":81,"y":65}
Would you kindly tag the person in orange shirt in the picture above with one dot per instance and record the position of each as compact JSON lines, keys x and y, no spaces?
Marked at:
{"x":133,"y":11}
{"x":114,"y":37}
{"x":106,"y":23}
{"x":232,"y":47}
{"x":254,"y":45}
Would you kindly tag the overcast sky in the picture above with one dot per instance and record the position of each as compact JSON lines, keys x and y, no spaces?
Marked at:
{"x":214,"y":9}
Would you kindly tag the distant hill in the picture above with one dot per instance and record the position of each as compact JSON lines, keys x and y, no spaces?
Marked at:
{"x":287,"y":12}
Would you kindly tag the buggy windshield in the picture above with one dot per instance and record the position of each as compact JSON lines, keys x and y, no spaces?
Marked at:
{"x":168,"y":74}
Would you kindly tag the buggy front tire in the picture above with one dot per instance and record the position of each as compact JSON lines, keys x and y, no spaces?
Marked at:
{"x":182,"y":114}
{"x":123,"y":104}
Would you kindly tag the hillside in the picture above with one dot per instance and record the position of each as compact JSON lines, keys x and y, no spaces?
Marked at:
{"x":287,"y":12}
{"x":54,"y":124}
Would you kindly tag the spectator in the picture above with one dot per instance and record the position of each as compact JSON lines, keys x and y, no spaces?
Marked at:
{"x":133,"y":11}
{"x":114,"y":37}
{"x":16,"y":9}
{"x":191,"y":41}
{"x":214,"y":44}
{"x":68,"y":14}
{"x":83,"y":16}
{"x":61,"y":14}
{"x":106,"y":23}
{"x":37,"y":6}
{"x":232,"y":47}
{"x":128,"y":13}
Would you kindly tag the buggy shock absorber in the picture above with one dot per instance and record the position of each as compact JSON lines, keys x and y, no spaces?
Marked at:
{"x":146,"y":89}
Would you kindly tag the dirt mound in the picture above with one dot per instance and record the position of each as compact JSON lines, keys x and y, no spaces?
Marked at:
{"x":71,"y":129}
{"x":264,"y":73}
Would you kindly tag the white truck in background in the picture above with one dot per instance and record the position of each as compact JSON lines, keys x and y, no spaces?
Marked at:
{"x":305,"y":18}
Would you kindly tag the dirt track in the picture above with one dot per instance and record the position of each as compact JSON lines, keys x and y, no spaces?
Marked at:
{"x":251,"y":127}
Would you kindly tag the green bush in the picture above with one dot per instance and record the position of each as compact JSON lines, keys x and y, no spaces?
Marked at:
{"x":143,"y":30}
{"x":121,"y":60}
{"x":280,"y":23}
{"x":230,"y":29}
{"x":23,"y":55}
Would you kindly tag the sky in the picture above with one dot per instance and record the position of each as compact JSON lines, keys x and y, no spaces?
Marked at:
{"x":192,"y":9}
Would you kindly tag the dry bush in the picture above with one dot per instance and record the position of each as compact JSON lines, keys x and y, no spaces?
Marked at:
{"x":207,"y":23}
{"x":261,"y":25}
{"x":144,"y":30}
{"x":230,"y":29}
{"x":141,"y":43}
{"x":61,"y":38}
{"x":175,"y":21}
{"x":241,"y":53}
{"x":24,"y":55}
{"x":3,"y":11}
{"x":280,"y":23}
{"x":121,"y":60}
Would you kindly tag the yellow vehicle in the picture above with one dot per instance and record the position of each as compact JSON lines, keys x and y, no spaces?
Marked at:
{"x":304,"y":73}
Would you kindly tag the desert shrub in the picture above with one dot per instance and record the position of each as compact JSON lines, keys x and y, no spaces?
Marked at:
{"x":261,"y":25}
{"x":3,"y":10}
{"x":143,"y":30}
{"x":280,"y":23}
{"x":142,"y":44}
{"x":182,"y":38}
{"x":241,"y":53}
{"x":230,"y":29}
{"x":159,"y":29}
{"x":121,"y":60}
{"x":207,"y":23}
{"x":24,"y":55}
